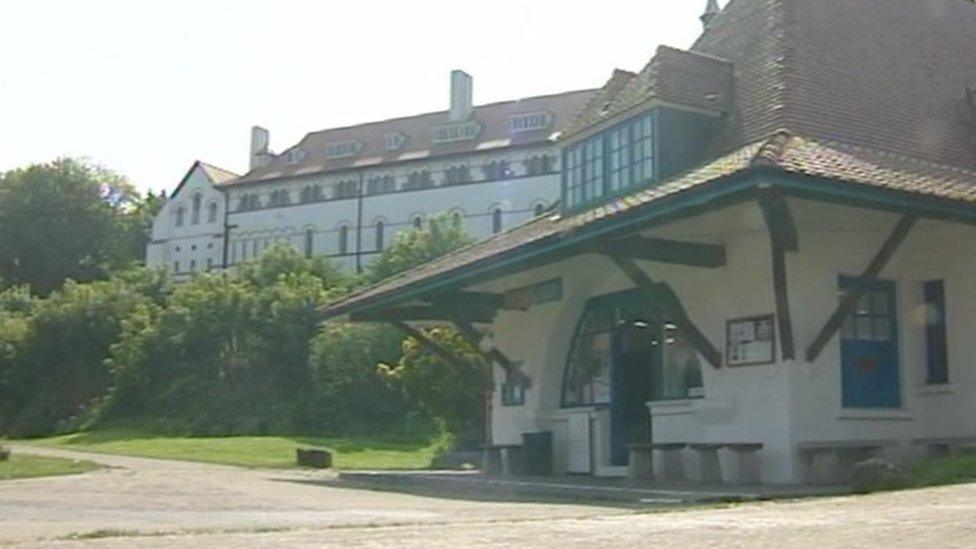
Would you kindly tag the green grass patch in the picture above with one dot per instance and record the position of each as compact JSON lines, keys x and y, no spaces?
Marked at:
{"x":26,"y":466}
{"x":253,"y":451}
{"x":954,"y":469}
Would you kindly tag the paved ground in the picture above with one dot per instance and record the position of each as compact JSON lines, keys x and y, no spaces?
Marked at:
{"x":151,"y":503}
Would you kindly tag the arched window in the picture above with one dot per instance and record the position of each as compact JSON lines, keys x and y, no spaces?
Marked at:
{"x":620,"y":334}
{"x":380,"y":227}
{"x":539,"y":209}
{"x":212,"y":212}
{"x":344,"y":240}
{"x":179,"y":216}
{"x":456,"y":219}
{"x":496,"y":221}
{"x":497,"y":169}
{"x":309,"y":242}
{"x":418,"y":222}
{"x":197,"y":204}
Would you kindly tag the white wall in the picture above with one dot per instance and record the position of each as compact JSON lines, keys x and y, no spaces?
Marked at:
{"x":192,"y":244}
{"x":780,"y":404}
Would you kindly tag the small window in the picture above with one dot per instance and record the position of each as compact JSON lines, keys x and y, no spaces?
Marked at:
{"x":176,"y":266}
{"x":209,"y":263}
{"x":456,"y":219}
{"x":179,"y":216}
{"x":193,"y":265}
{"x":418,"y":222}
{"x":344,"y":240}
{"x":309,"y":242}
{"x":197,"y":204}
{"x":419,"y":179}
{"x":212,"y":210}
{"x":513,"y":388}
{"x":380,"y":227}
{"x":539,"y":209}
{"x":456,"y":175}
{"x":936,"y":345}
{"x":496,"y":221}
{"x":497,"y":169}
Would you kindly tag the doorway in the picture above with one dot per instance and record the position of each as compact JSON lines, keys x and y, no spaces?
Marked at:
{"x":870,"y":375}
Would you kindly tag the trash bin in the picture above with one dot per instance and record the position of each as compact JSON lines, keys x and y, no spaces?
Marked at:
{"x":537,"y":453}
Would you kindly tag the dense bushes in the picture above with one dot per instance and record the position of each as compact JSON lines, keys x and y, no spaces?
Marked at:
{"x":241,"y":352}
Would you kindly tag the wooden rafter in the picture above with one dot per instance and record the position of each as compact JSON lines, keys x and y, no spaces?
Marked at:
{"x":663,"y":298}
{"x":783,"y":238}
{"x":851,"y":296}
{"x":692,"y":254}
{"x":427,"y":342}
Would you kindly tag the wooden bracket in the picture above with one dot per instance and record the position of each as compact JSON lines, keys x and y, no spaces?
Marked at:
{"x":663,"y":298}
{"x":691,"y":254}
{"x":850,"y":298}
{"x":783,"y":238}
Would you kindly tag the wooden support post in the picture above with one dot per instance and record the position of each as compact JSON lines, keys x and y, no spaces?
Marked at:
{"x":850,"y":298}
{"x":783,"y":238}
{"x":663,"y":298}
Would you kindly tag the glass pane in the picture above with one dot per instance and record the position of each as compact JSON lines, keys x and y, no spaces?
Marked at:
{"x":681,"y":369}
{"x":863,"y":307}
{"x":880,"y":303}
{"x":882,"y":329}
{"x":865,"y":329}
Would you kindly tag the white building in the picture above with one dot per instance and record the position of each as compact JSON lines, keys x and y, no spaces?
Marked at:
{"x":762,"y":264}
{"x":345,"y":193}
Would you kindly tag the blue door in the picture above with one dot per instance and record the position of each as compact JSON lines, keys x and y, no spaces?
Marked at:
{"x":869,"y":348}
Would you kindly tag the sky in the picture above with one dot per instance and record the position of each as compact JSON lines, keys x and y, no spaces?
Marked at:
{"x":147,"y":87}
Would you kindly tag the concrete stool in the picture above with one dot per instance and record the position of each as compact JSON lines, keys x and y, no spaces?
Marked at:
{"x":709,"y":469}
{"x":641,"y":463}
{"x":672,"y":468}
{"x":746,"y":463}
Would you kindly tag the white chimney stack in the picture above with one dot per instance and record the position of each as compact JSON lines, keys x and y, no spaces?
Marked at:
{"x":260,"y":154}
{"x":461,"y":96}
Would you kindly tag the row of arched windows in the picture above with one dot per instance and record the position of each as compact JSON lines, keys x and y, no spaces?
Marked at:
{"x":195,"y":211}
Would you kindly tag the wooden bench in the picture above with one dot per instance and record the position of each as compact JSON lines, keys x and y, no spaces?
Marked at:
{"x":640,"y":466}
{"x":746,"y":462}
{"x":501,"y":459}
{"x":831,"y":462}
{"x":939,"y":447}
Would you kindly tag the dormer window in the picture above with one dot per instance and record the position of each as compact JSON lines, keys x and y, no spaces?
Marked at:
{"x":527,"y":122}
{"x":610,"y":162}
{"x":395,"y":141}
{"x":450,"y":133}
{"x":342,"y":149}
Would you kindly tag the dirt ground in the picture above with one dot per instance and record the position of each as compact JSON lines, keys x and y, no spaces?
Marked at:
{"x":138,"y":502}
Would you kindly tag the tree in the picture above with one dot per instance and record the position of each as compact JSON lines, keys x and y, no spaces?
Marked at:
{"x":68,"y":219}
{"x":442,"y":235}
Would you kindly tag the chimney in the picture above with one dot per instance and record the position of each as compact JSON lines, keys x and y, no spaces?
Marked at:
{"x":711,"y":10}
{"x":260,"y":155}
{"x":461,"y":96}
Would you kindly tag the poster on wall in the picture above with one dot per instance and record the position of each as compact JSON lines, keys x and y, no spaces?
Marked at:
{"x":751,"y":341}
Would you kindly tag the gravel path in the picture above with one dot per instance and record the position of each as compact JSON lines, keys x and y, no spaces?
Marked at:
{"x":140,"y":502}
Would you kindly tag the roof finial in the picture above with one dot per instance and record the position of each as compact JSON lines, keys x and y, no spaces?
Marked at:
{"x":711,"y":10}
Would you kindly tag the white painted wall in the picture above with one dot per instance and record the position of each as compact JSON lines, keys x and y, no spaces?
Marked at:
{"x":192,"y":244}
{"x":517,"y":197}
{"x":780,"y":404}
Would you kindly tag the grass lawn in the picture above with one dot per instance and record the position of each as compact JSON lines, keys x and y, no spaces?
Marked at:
{"x":955,"y":469}
{"x":250,"y":451}
{"x":24,"y":466}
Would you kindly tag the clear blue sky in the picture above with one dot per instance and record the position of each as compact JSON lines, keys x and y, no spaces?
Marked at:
{"x":146,"y":87}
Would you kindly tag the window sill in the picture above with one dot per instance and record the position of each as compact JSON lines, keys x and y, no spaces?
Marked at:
{"x":659,"y":408}
{"x":894,"y":414}
{"x":936,"y":389}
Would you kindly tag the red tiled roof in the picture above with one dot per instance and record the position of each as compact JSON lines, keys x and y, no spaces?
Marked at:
{"x":888,"y":75}
{"x":495,"y":135}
